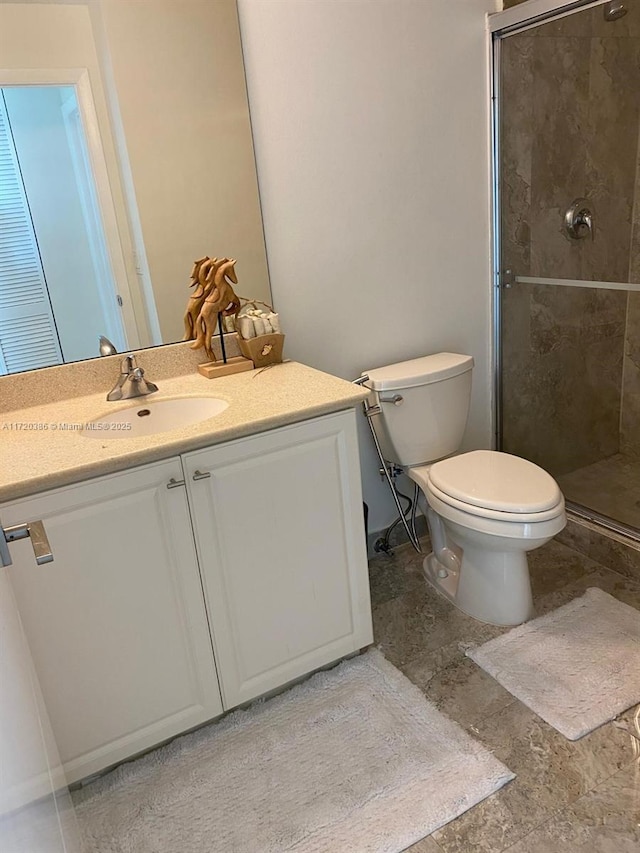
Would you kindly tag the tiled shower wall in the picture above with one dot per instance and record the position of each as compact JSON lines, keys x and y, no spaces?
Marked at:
{"x":569,"y":128}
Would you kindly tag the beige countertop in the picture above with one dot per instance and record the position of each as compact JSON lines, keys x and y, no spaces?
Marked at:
{"x":43,"y":447}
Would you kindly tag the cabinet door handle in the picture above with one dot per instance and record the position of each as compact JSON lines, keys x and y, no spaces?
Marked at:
{"x":201,"y":475}
{"x":35,"y":531}
{"x":5,"y":555}
{"x":173,"y":483}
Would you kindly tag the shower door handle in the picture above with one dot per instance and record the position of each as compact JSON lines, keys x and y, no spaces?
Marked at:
{"x":578,"y":220}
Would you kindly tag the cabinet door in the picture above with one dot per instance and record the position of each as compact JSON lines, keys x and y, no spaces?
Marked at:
{"x":116,"y":623}
{"x":279,"y":529}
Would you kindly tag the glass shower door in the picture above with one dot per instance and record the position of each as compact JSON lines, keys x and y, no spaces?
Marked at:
{"x":569,"y":232}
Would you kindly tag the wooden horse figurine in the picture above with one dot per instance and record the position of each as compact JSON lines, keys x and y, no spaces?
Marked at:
{"x":221,"y":299}
{"x":203,"y":282}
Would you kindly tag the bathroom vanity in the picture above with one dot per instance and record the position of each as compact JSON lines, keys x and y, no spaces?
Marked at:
{"x":193,"y":570}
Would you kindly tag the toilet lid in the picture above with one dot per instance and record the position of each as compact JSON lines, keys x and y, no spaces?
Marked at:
{"x":494,"y":480}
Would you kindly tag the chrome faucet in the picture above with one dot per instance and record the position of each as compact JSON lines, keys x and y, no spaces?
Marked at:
{"x":131,"y":382}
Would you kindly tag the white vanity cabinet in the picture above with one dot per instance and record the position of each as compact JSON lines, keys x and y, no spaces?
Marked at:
{"x":280,"y":535}
{"x":249,"y":554}
{"x":116,"y":624}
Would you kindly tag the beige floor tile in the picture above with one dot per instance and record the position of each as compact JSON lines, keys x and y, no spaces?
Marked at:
{"x":619,"y":587}
{"x":461,"y":690}
{"x":610,"y":487}
{"x":554,"y":566}
{"x":391,"y":577}
{"x":604,"y":820}
{"x":556,"y":770}
{"x":426,"y":637}
{"x":551,"y":772}
{"x":423,"y":621}
{"x":494,"y":824}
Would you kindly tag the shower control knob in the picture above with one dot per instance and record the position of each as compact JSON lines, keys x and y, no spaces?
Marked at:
{"x":578,"y":220}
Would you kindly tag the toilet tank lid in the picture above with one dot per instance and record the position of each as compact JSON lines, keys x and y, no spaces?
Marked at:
{"x":418,"y":371}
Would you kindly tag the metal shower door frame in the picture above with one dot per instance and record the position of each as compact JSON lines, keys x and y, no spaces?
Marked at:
{"x":517,"y":19}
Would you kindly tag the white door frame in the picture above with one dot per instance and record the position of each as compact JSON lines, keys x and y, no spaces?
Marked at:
{"x":78,"y":78}
{"x":76,"y":139}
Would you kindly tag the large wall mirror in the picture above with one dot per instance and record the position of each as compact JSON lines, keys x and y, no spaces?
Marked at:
{"x":125,"y":155}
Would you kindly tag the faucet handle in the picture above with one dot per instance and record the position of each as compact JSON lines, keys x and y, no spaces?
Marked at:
{"x":128,"y":364}
{"x":131,"y":382}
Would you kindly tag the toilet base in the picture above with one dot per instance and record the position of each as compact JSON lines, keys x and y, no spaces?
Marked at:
{"x":444,"y":580}
{"x":492,"y":587}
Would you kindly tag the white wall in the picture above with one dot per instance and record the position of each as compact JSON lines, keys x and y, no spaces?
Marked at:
{"x":370,"y":121}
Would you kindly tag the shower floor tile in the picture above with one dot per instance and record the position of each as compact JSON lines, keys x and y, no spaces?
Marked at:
{"x":610,"y":487}
{"x":562,"y":788}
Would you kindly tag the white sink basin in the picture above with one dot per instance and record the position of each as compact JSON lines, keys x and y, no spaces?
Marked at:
{"x":153,"y":416}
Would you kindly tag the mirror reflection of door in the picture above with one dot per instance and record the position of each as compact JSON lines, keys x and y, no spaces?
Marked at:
{"x":53,"y":249}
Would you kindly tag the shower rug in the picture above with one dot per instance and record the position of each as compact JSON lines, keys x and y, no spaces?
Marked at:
{"x":354,"y":760}
{"x":576,"y":667}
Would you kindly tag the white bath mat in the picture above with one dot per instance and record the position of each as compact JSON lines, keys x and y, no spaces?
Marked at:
{"x":354,"y":760}
{"x":577,"y":667}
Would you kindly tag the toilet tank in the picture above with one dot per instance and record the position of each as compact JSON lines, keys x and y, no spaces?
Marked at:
{"x":430,"y":421}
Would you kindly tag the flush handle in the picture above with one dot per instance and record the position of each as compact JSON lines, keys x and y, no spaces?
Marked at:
{"x":397,"y":399}
{"x":33,"y":530}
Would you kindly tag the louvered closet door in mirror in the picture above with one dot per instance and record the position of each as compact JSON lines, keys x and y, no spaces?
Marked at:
{"x":28,"y":337}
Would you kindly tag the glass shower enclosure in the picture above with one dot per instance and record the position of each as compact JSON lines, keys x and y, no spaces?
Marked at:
{"x":567,"y":182}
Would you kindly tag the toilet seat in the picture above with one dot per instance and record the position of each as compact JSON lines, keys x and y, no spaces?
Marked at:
{"x":498,"y":515}
{"x":492,"y":485}
{"x":494,"y":480}
{"x":516,"y":526}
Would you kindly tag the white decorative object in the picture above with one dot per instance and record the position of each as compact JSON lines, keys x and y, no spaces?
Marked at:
{"x":268,"y":328}
{"x":259,"y":326}
{"x":274,"y":319}
{"x":254,"y":322}
{"x":246,"y":327}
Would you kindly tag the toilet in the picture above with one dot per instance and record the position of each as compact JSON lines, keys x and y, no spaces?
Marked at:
{"x":485,"y":509}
